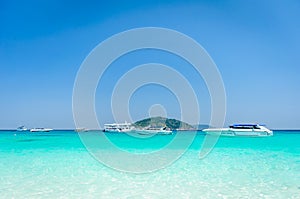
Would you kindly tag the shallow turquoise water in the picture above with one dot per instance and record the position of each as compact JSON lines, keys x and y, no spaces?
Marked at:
{"x":57,"y":164}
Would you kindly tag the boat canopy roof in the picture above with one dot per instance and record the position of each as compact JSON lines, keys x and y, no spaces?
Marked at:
{"x":244,"y":125}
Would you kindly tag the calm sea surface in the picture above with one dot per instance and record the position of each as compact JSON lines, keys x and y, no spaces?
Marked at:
{"x":57,"y":165}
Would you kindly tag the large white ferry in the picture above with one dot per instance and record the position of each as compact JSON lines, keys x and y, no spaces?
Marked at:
{"x":248,"y":130}
{"x":118,"y":127}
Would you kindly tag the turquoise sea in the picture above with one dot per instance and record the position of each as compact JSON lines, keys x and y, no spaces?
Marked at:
{"x":57,"y":165}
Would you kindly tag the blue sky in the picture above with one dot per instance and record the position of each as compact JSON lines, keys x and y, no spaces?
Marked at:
{"x":255,"y":45}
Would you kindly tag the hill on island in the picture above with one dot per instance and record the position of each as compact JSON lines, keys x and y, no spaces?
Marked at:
{"x":159,"y":122}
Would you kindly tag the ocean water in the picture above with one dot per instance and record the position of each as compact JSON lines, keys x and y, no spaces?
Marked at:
{"x":57,"y":165}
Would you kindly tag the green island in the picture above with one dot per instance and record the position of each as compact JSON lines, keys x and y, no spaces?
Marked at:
{"x":159,"y":122}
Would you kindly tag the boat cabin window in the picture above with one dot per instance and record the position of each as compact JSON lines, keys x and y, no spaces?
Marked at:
{"x":244,"y":127}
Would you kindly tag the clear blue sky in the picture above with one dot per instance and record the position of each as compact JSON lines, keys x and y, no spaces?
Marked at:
{"x":255,"y":45}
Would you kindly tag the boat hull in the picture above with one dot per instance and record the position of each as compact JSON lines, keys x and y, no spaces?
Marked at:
{"x":40,"y":130}
{"x":154,"y":132}
{"x":117,"y":130}
{"x":238,"y":133}
{"x":22,"y":130}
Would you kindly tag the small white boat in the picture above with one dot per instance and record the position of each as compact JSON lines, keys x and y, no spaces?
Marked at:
{"x":158,"y":131}
{"x":246,"y":130}
{"x":22,"y":128}
{"x":78,"y":130}
{"x":118,"y":127}
{"x":41,"y":130}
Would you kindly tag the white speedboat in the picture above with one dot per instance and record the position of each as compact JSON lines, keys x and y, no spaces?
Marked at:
{"x":151,"y":130}
{"x":247,"y":130}
{"x":22,"y":128}
{"x":118,"y":127}
{"x":41,"y":130}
